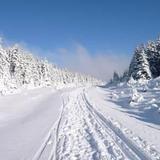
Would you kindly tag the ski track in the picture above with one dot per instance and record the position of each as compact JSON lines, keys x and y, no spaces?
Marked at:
{"x":47,"y":149}
{"x":82,"y":133}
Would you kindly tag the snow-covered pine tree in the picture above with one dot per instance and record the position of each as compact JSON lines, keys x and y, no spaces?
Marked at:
{"x":19,"y":68}
{"x":4,"y":70}
{"x":124,"y":77}
{"x":153,"y":54}
{"x":158,"y":44}
{"x":116,"y":77}
{"x":139,"y":67}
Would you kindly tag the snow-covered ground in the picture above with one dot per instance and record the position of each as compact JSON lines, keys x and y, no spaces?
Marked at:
{"x":25,"y":119}
{"x":83,"y":123}
{"x":115,"y":105}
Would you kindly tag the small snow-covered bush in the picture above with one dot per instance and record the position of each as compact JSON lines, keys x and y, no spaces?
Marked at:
{"x":136,"y":96}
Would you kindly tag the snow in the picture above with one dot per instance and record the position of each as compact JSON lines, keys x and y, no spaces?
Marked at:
{"x":19,"y":69}
{"x":145,"y":61}
{"x":25,"y":120}
{"x":130,"y":118}
{"x":51,"y":113}
{"x":83,"y":123}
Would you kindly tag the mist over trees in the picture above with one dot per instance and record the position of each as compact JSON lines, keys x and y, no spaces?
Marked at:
{"x":19,"y":68}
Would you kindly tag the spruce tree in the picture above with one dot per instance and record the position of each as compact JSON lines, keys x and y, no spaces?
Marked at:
{"x":153,"y":53}
{"x":139,"y":67}
{"x":116,"y":77}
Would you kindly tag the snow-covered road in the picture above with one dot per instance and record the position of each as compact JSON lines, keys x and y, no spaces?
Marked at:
{"x":25,"y":120}
{"x":69,"y":124}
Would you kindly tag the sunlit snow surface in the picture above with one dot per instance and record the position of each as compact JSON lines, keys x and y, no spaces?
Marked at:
{"x":83,"y":123}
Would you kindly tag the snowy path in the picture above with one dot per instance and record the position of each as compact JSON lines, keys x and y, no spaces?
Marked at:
{"x":83,"y":133}
{"x":25,"y":119}
{"x":65,"y":125}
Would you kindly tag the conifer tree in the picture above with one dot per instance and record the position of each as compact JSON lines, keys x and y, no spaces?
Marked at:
{"x":19,"y":68}
{"x":139,"y":67}
{"x":116,"y":77}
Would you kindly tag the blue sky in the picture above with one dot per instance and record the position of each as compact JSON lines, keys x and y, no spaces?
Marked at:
{"x":100,"y":26}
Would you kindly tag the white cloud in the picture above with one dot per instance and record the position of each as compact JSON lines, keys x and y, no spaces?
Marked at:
{"x":100,"y":65}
